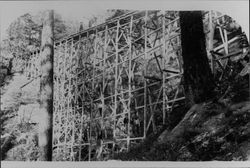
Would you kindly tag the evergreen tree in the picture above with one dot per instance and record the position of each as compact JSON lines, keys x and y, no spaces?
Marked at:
{"x":23,"y":36}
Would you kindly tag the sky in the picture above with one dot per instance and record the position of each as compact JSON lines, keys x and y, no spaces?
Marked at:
{"x":80,"y":10}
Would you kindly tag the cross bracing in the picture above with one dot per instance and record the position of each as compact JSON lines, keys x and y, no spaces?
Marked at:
{"x":119,"y":81}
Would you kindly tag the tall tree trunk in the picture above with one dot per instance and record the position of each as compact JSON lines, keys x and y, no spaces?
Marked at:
{"x":198,"y":79}
{"x":46,"y":88}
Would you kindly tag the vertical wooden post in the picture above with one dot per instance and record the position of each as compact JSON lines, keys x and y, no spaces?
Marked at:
{"x":46,"y":88}
{"x":129,"y":80}
{"x":116,"y":76}
{"x":91,"y":102}
{"x":163,"y":67}
{"x":65,"y":104}
{"x":145,"y":82}
{"x":211,"y":38}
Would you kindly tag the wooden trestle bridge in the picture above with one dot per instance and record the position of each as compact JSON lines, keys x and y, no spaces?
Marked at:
{"x":117,"y":82}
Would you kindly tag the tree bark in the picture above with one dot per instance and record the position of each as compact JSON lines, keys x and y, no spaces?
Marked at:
{"x":46,"y":88}
{"x":198,"y":80}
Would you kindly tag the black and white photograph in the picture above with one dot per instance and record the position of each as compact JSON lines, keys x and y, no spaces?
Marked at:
{"x":108,"y":82}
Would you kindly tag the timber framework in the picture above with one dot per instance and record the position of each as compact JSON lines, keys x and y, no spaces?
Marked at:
{"x":119,"y":81}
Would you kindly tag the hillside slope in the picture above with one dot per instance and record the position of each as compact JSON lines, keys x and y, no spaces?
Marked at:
{"x":215,"y":130}
{"x":19,"y":119}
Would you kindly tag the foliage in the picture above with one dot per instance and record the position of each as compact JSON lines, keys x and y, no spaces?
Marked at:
{"x":18,"y":135}
{"x":26,"y":144}
{"x":23,"y":36}
{"x":229,"y":142}
{"x":116,"y":13}
{"x":231,"y":85}
{"x":223,"y":135}
{"x":62,"y":27}
{"x":140,"y":151}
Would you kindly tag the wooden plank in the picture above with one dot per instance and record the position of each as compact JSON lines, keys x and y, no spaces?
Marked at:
{"x":170,"y":71}
{"x":145,"y":82}
{"x":229,"y":55}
